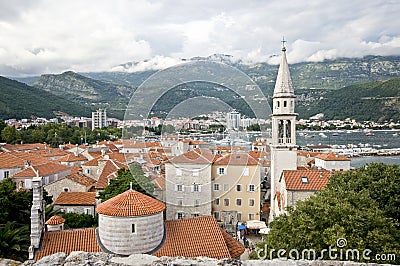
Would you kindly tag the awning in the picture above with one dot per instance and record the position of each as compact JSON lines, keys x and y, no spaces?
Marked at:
{"x":241,"y":227}
{"x":264,"y":231}
{"x":255,"y":224}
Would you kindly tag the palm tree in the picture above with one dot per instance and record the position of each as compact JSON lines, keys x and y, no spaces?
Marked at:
{"x":14,"y":241}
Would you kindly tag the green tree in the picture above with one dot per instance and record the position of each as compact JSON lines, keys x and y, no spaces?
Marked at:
{"x":121,"y":183}
{"x":359,"y":206}
{"x":79,"y":220}
{"x":9,"y":134}
{"x":14,"y":241}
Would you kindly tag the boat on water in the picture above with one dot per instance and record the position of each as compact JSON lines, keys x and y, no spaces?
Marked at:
{"x":322,"y":135}
{"x":335,"y":134}
{"x":369,"y":134}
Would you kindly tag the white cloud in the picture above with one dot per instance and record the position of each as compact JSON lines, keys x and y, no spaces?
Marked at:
{"x":54,"y":36}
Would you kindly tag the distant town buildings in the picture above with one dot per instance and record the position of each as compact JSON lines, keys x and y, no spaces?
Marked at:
{"x":99,"y":119}
{"x":233,"y":120}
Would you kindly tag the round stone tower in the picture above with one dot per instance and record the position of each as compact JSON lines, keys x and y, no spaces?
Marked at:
{"x":131,"y":223}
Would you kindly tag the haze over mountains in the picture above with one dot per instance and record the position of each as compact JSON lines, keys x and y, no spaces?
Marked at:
{"x":312,"y":81}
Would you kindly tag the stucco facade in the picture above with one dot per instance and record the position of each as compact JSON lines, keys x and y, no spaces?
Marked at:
{"x":236,"y":189}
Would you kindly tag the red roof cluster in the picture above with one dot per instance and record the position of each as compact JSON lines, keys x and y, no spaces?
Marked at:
{"x":76,"y":198}
{"x":55,"y":220}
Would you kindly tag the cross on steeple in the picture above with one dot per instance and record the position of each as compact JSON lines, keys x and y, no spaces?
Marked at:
{"x":283,"y":44}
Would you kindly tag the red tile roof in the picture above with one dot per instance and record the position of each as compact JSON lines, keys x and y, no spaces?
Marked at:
{"x":81,"y":179}
{"x":331,"y":156}
{"x":195,"y":156}
{"x":235,"y":247}
{"x":67,"y":241}
{"x":130,"y":203}
{"x":76,"y":198}
{"x":293,"y":179}
{"x":240,"y":158}
{"x":18,"y":159}
{"x":55,"y":220}
{"x":45,"y":169}
{"x":110,"y":170}
{"x":194,"y":237}
{"x":71,"y":157}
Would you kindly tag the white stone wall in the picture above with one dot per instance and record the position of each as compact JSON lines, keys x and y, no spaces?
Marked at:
{"x":54,"y":189}
{"x":11,"y":172}
{"x":116,"y":233}
{"x":185,"y":201}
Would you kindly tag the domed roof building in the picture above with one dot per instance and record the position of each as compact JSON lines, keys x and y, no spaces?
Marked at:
{"x":131,"y":223}
{"x":55,"y":223}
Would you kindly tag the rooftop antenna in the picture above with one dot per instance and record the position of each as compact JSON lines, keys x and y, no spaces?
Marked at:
{"x":283,"y":44}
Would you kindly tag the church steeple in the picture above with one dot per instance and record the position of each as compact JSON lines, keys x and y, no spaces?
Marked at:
{"x":283,"y":147}
{"x":283,"y":85}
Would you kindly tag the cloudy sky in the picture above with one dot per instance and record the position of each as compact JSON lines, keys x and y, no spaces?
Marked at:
{"x":47,"y":36}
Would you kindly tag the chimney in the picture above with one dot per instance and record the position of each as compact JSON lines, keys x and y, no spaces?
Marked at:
{"x":37,"y":215}
{"x":320,"y":174}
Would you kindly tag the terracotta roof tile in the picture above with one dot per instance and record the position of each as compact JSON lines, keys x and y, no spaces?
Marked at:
{"x":195,"y":156}
{"x":25,"y":147}
{"x":194,"y":237}
{"x":72,"y":158}
{"x":81,"y":179}
{"x":18,"y":159}
{"x":55,"y":220}
{"x":69,"y":240}
{"x":130,"y":203}
{"x":331,"y":156}
{"x":316,"y":179}
{"x":76,"y":198}
{"x":109,"y":171}
{"x":235,"y":247}
{"x":241,"y":158}
{"x":42,"y":170}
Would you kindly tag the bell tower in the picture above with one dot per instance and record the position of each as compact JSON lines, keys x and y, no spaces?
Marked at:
{"x":283,"y":147}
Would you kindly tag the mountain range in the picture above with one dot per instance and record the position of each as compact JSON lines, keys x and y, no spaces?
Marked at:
{"x":331,"y":87}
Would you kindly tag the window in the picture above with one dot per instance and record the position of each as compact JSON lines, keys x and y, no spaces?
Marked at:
{"x":87,"y":171}
{"x":238,"y":187}
{"x":133,"y":228}
{"x":66,"y":189}
{"x":226,"y":202}
{"x":6,"y":174}
{"x":251,"y":216}
{"x":28,"y":183}
{"x":277,"y":103}
{"x":179,"y":172}
{"x":46,"y":180}
{"x":196,"y":187}
{"x":226,"y":187}
{"x":251,"y":202}
{"x":239,"y":202}
{"x":179,"y":188}
{"x":196,"y":202}
{"x":196,"y":214}
{"x":196,"y":173}
{"x":87,"y":211}
{"x":239,"y":216}
{"x":245,"y":171}
{"x":216,"y":187}
{"x":216,"y":215}
{"x":304,"y":180}
{"x":180,"y":202}
{"x":222,"y":171}
{"x":252,"y":188}
{"x":56,"y":177}
{"x":216,"y":201}
{"x":284,"y":103}
{"x":180,"y":215}
{"x":69,"y":210}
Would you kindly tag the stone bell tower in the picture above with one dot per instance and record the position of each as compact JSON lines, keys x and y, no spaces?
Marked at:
{"x":283,"y":147}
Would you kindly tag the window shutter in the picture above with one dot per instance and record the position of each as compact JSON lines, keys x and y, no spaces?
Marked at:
{"x":199,"y":188}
